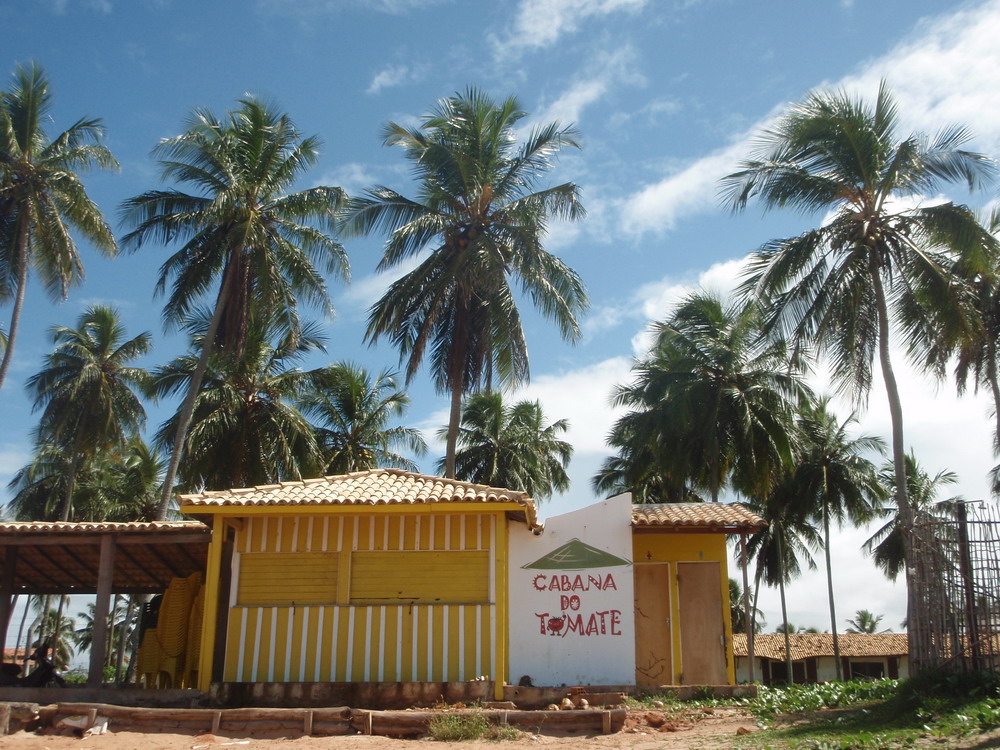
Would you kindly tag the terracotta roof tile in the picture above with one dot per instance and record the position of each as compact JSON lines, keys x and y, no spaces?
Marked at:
{"x":89,"y":527}
{"x":733,"y":518}
{"x":376,"y":487}
{"x":808,"y":645}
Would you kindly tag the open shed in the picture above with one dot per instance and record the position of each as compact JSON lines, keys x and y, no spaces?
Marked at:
{"x":96,"y":558}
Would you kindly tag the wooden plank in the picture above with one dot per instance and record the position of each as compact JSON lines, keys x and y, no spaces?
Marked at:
{"x":653,"y":648}
{"x":105,"y":577}
{"x":703,"y":650}
{"x":7,"y":592}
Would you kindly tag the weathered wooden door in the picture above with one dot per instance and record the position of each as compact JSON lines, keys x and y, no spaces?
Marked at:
{"x":653,"y":659}
{"x":703,"y":649}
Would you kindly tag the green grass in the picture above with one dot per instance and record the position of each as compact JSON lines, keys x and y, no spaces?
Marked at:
{"x":876,"y":715}
{"x":448,"y":727}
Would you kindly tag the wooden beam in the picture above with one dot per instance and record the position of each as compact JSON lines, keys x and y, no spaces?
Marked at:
{"x":7,"y":578}
{"x":51,"y":538}
{"x":99,"y":640}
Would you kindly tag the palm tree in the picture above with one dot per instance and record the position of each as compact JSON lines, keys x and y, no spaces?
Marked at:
{"x":780,"y":546}
{"x":485,"y":226}
{"x":832,"y":475}
{"x":864,"y":622}
{"x":736,"y":613}
{"x":42,"y":198}
{"x":245,"y":429}
{"x":886,"y":544}
{"x":836,"y":286}
{"x":351,"y":413}
{"x":511,"y":446}
{"x":87,"y":389}
{"x":712,"y":402}
{"x":240,"y":231}
{"x":790,"y":629}
{"x":119,"y":483}
{"x":975,"y":352}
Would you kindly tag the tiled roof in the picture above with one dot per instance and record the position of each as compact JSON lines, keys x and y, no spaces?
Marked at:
{"x":90,"y":527}
{"x":376,"y":487}
{"x":717,"y":516}
{"x":808,"y":645}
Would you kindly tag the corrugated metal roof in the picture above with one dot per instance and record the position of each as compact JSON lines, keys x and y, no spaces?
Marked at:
{"x":809,"y":645}
{"x":375,"y":487}
{"x":733,"y":518}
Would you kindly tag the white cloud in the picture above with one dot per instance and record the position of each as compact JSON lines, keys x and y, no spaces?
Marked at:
{"x":352,"y":177}
{"x":101,"y":6}
{"x":312,"y":7}
{"x":607,"y":72}
{"x":948,"y":72}
{"x":367,"y":290}
{"x":540,"y":23}
{"x":394,"y":75}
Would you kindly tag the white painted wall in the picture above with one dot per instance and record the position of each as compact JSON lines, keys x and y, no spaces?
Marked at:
{"x":574,"y":626}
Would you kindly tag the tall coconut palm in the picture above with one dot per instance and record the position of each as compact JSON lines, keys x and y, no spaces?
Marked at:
{"x":245,"y":429}
{"x":351,"y":412}
{"x":713,"y":401}
{"x":975,"y":353}
{"x":864,"y":622}
{"x":834,"y":477}
{"x":243,"y":237}
{"x":42,"y":200}
{"x":886,"y":544}
{"x":779,"y":548}
{"x":878,"y":256}
{"x":87,"y":390}
{"x":510,"y":445}
{"x":737,"y":614}
{"x":482,"y":224}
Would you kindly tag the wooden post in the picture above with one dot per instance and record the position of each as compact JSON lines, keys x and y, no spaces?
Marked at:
{"x":210,"y":610}
{"x":749,"y":620}
{"x":99,"y":640}
{"x":7,"y":594}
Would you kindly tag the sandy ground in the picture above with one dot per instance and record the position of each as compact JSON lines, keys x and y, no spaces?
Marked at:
{"x":693,"y":730}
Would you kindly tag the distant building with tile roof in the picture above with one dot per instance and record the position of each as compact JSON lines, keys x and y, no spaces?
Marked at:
{"x":813,"y":660}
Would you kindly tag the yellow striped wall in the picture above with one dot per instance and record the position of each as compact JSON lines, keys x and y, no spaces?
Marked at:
{"x":436,"y":638}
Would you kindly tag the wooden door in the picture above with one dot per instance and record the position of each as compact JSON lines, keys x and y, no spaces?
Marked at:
{"x":653,"y":659}
{"x":703,"y":650}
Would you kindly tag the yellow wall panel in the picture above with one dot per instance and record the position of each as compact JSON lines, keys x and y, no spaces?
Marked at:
{"x":312,"y":635}
{"x":280,"y":578}
{"x":420,"y":577}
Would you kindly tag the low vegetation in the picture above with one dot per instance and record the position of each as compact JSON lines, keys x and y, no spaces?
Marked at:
{"x":464,"y":727}
{"x":937,"y":707}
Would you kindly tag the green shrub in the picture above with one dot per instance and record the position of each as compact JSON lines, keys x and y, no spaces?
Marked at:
{"x":454,"y":727}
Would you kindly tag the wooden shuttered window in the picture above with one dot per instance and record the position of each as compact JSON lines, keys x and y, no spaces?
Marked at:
{"x":288,"y":578}
{"x":420,"y":577}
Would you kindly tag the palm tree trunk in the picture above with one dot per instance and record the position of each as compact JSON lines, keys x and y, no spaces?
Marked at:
{"x":454,"y":416}
{"x":15,"y":315}
{"x":187,"y":408}
{"x":456,"y":380}
{"x":74,"y":467}
{"x":784,"y":609}
{"x":829,"y":589}
{"x":916,"y":648}
{"x":123,"y":639}
{"x":991,"y":375}
{"x":56,"y":628}
{"x":20,"y":628}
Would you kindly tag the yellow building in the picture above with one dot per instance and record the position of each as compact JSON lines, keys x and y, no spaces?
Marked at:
{"x":380,"y":576}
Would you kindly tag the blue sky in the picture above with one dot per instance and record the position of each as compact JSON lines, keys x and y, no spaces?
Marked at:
{"x":666,"y":94}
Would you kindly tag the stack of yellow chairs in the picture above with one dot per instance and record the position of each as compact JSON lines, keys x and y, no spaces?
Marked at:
{"x":162,"y":659}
